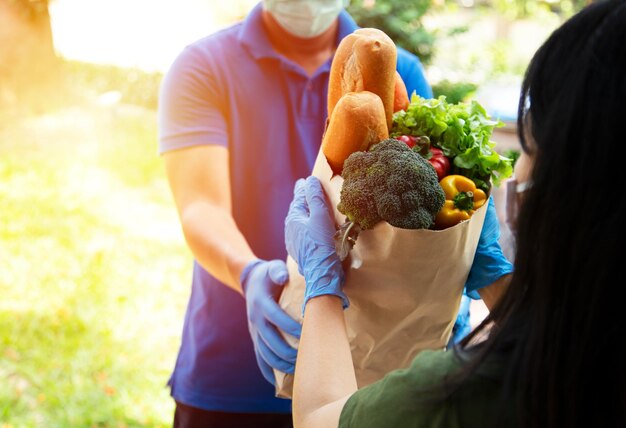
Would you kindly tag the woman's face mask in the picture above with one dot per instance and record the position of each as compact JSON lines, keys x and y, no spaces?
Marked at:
{"x":305,"y":18}
{"x":515,"y":189}
{"x":514,"y":196}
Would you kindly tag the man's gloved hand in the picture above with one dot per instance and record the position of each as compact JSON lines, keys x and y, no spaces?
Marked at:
{"x":309,"y":231}
{"x":261,"y":282}
{"x":462,"y":326}
{"x":489,"y":262}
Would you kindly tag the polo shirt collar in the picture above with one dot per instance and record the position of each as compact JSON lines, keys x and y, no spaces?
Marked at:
{"x":253,"y":36}
{"x":347,"y":25}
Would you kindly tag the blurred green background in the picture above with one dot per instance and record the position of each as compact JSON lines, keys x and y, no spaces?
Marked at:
{"x":94,"y":272}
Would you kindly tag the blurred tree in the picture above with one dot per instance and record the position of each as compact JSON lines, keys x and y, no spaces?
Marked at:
{"x":29,"y":67}
{"x":519,"y":9}
{"x":455,"y":92}
{"x":401,"y":20}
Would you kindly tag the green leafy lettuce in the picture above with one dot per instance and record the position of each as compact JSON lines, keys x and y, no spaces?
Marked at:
{"x":462,"y":131}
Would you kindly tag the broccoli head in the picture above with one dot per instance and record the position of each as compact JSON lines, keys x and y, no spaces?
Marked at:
{"x":392,"y":183}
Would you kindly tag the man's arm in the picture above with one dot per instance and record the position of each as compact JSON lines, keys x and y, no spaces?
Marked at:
{"x":199,"y":178}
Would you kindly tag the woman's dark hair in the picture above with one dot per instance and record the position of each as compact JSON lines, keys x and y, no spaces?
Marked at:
{"x":562,"y":321}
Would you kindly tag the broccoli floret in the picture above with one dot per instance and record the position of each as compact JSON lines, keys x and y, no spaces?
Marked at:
{"x":393,"y":183}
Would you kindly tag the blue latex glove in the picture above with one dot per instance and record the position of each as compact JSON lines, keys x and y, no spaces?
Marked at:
{"x":309,"y":232}
{"x":262,"y":282}
{"x":489,"y":262}
{"x":462,"y":326}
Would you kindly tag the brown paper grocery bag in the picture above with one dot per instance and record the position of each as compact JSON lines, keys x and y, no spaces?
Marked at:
{"x":404,"y":286}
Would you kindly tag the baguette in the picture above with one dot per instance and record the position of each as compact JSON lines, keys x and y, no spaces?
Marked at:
{"x":365,"y":61}
{"x":357,"y":121}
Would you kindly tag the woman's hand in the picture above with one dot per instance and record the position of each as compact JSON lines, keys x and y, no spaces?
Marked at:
{"x":309,"y":231}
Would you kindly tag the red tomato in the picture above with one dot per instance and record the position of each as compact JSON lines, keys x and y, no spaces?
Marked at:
{"x":409,"y":140}
{"x":440,"y":162}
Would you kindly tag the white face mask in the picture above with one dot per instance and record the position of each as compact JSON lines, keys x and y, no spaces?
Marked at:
{"x":516,"y":187}
{"x":305,"y":18}
{"x":514,"y":196}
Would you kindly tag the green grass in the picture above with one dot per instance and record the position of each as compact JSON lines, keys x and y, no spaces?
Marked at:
{"x":94,"y":273}
{"x":134,"y":86}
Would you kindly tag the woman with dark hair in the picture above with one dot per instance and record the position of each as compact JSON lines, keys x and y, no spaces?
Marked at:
{"x":551,"y":353}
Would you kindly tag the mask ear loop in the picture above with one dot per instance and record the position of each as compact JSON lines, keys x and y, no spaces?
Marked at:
{"x":513,"y":190}
{"x":511,"y":203}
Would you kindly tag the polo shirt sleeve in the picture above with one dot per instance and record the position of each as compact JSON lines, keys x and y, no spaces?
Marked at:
{"x":191,"y":104}
{"x":398,"y":399}
{"x":412,"y":72}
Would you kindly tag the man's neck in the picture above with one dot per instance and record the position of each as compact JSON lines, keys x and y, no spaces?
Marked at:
{"x":311,"y":53}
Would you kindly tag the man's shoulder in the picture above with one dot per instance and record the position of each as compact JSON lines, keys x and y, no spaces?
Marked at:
{"x":211,"y":53}
{"x":412,"y":72}
{"x":406,"y":58}
{"x":225,"y":39}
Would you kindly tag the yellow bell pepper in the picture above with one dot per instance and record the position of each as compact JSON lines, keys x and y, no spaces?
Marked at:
{"x":462,"y":199}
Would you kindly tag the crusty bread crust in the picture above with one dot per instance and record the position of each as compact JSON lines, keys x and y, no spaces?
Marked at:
{"x":357,"y":121}
{"x":364,"y":61}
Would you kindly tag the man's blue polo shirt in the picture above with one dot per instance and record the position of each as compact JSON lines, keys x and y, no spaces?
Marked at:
{"x":232,"y":89}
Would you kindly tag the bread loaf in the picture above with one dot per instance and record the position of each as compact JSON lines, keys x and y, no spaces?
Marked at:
{"x":357,"y":121}
{"x":364,"y":61}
